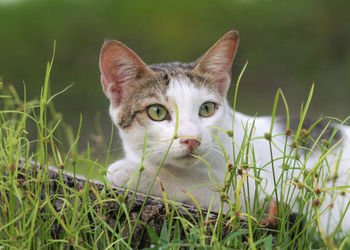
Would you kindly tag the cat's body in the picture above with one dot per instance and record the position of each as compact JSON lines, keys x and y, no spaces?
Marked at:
{"x":149,"y":98}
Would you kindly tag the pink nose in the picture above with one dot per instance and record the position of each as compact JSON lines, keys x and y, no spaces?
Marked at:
{"x":191,"y":143}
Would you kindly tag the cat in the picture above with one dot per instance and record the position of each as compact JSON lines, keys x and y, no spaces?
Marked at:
{"x":189,"y":99}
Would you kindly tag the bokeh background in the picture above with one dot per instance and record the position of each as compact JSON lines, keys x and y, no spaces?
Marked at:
{"x":289,"y":45}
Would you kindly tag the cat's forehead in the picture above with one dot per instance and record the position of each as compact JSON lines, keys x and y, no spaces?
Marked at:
{"x":187,"y":90}
{"x":184,"y":73}
{"x":169,"y":79}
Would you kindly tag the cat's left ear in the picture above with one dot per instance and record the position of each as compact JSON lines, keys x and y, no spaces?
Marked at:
{"x":217,"y":61}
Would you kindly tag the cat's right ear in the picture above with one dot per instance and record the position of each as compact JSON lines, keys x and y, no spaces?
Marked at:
{"x":119,"y":67}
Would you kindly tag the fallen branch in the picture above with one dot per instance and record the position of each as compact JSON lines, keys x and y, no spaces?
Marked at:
{"x":63,"y":184}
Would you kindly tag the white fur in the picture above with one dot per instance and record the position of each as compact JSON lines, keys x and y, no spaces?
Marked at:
{"x":183,"y":172}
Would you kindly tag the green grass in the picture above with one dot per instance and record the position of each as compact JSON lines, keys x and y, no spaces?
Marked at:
{"x":33,"y":130}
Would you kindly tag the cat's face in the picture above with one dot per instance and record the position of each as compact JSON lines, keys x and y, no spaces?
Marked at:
{"x":168,"y":101}
{"x":197,"y":105}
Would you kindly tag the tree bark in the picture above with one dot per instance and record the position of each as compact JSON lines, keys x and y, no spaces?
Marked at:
{"x":153,"y":212}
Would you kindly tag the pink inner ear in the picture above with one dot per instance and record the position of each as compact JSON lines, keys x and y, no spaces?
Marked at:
{"x":112,"y":91}
{"x":119,"y":66}
{"x":223,"y":83}
{"x":110,"y":80}
{"x":217,"y":61}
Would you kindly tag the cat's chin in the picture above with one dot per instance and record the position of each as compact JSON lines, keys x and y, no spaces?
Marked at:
{"x":184,"y":161}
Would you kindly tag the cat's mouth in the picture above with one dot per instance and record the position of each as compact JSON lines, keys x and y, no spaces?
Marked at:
{"x":188,"y":154}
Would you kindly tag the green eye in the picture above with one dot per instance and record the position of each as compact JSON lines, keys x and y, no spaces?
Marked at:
{"x":157,"y":112}
{"x":207,"y":109}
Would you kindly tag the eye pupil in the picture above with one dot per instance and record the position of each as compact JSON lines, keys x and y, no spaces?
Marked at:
{"x":207,"y":109}
{"x":157,"y":112}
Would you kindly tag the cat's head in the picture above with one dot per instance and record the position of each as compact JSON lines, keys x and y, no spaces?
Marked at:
{"x":148,"y":98}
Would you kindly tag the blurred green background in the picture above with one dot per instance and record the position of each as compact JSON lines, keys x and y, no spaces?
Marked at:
{"x":289,"y":44}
